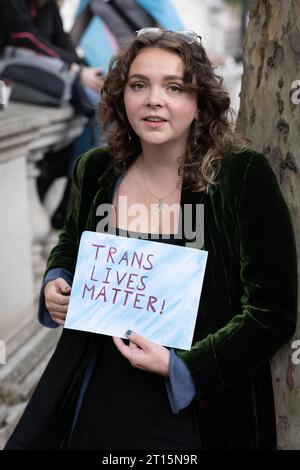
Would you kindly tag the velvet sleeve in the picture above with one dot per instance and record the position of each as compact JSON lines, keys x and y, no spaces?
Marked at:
{"x":64,"y":254}
{"x":267,"y":315}
{"x":87,"y":171}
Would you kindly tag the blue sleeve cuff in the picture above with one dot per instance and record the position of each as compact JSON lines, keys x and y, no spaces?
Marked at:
{"x":180,"y":386}
{"x":43,"y":314}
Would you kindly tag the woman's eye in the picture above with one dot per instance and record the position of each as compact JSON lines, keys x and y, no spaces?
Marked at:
{"x":175,"y":88}
{"x":137,"y":86}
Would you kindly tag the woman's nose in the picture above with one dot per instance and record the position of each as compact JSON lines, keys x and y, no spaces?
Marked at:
{"x":154,"y":97}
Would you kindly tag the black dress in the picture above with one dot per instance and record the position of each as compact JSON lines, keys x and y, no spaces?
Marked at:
{"x":127,"y":408}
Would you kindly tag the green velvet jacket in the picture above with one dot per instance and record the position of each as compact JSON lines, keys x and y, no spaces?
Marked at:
{"x":248,"y":303}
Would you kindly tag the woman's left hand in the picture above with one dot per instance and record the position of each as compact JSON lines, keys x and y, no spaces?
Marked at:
{"x":145,"y":355}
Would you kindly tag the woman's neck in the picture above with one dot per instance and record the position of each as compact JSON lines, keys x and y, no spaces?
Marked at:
{"x":161,"y":159}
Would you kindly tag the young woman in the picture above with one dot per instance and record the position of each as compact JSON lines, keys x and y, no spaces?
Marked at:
{"x":171,"y":143}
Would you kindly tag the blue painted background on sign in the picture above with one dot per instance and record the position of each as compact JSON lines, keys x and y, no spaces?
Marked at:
{"x":176,"y":278}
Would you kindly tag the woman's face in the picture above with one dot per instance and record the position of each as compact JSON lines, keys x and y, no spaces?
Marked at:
{"x":158,"y":106}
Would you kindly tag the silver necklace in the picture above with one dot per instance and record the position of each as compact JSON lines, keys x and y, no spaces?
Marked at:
{"x":160,"y":200}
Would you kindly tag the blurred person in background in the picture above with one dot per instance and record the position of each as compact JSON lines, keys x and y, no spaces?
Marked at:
{"x":37,"y":25}
{"x":101,"y":27}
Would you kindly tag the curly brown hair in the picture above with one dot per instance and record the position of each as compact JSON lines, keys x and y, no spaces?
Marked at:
{"x":211,"y":136}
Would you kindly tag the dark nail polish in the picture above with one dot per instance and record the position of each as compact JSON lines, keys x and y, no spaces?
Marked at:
{"x":128,"y":332}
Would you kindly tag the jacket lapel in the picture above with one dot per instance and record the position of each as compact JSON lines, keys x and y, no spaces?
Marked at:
{"x":192,"y":217}
{"x":103,"y":197}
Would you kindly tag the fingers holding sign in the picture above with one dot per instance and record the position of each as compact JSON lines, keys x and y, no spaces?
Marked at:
{"x":57,"y":297}
{"x":144,"y":354}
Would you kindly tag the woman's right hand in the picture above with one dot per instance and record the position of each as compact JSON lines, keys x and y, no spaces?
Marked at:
{"x":57,"y":296}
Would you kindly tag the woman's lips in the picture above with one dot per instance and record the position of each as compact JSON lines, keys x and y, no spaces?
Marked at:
{"x":154,"y":121}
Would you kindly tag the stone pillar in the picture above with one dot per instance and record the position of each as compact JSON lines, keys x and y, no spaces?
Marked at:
{"x":26,"y":133}
{"x":16,"y":286}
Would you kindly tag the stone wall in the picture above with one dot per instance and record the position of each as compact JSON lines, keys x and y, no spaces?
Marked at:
{"x":26,"y":133}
